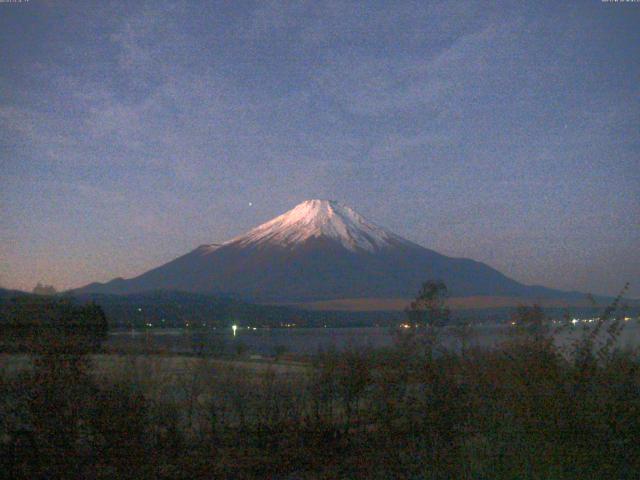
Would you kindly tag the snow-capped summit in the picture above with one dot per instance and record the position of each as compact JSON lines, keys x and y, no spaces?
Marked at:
{"x":320,"y":218}
{"x":319,"y":250}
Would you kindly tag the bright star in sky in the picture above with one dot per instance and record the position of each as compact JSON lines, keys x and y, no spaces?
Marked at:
{"x":506,"y":133}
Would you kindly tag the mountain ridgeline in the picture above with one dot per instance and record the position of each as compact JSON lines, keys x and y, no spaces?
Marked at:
{"x":173,"y":309}
{"x":322,"y":250}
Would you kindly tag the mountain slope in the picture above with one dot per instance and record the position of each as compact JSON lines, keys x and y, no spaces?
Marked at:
{"x":321,"y":250}
{"x":320,"y":219}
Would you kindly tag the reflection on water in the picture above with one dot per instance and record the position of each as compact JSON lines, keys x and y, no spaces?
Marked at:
{"x":311,"y":340}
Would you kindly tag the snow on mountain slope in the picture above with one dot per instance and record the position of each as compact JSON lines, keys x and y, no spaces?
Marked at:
{"x":320,"y":250}
{"x":320,"y":218}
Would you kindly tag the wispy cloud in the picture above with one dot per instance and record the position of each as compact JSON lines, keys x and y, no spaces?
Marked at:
{"x":191,"y":111}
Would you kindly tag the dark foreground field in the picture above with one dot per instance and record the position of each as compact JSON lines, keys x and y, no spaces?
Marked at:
{"x":526,"y":409}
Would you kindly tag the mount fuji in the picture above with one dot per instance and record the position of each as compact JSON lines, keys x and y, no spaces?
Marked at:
{"x":322,"y":251}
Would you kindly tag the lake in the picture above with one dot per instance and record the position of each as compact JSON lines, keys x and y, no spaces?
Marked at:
{"x":311,"y":340}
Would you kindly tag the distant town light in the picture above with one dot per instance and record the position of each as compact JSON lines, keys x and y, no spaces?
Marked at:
{"x":234,"y":328}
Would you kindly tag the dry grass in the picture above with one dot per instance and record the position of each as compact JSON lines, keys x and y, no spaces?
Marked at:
{"x":455,"y":303}
{"x":522,"y":410}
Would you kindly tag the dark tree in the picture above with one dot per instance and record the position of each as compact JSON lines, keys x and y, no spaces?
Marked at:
{"x":41,"y":289}
{"x":429,"y":309}
{"x":49,"y":326}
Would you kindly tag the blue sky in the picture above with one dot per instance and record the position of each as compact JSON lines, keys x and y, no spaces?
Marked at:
{"x":131,"y":132}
